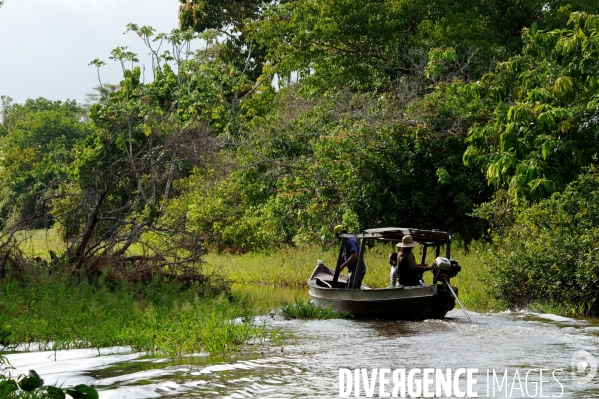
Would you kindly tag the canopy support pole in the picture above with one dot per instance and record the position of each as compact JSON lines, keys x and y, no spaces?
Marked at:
{"x":358,"y":271}
{"x":339,"y":262}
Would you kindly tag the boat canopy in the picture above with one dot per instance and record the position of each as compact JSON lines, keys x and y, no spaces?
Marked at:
{"x":426,"y":237}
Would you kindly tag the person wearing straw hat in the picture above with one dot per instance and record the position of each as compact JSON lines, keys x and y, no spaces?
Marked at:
{"x":409,"y":271}
{"x":351,"y":258}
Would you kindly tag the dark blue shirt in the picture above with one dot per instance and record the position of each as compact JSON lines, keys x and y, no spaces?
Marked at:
{"x":352,"y":245}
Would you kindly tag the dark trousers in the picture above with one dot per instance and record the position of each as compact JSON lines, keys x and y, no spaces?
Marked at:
{"x":355,"y":278}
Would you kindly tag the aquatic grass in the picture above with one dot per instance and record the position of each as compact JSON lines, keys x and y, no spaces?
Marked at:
{"x":223,"y":337}
{"x":52,"y":313}
{"x":265,"y":299}
{"x":306,"y":310}
{"x":291,"y":267}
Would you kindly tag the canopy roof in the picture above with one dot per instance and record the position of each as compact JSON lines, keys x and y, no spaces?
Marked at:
{"x":428,"y":237}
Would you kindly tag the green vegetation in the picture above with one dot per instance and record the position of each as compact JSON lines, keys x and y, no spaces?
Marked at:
{"x":549,"y":256}
{"x":295,"y":116}
{"x":306,"y":310}
{"x":52,"y":313}
{"x":544,"y":105}
{"x":36,"y":143}
{"x":30,"y":386}
{"x":292,"y":267}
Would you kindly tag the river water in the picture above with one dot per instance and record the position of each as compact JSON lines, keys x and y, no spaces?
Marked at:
{"x":309,"y":361}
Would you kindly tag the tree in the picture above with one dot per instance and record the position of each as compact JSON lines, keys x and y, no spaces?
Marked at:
{"x":370,"y":44}
{"x":148,"y":136}
{"x":229,"y":18}
{"x":549,"y":255}
{"x":545,"y":109}
{"x":35,"y":149}
{"x":308,"y":165}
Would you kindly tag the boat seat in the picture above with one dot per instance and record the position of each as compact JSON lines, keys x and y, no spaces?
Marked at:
{"x":321,"y":283}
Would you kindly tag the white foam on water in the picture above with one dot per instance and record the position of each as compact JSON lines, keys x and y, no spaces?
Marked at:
{"x":133,"y":392}
{"x":133,"y":377}
{"x":64,"y":368}
{"x":557,"y":318}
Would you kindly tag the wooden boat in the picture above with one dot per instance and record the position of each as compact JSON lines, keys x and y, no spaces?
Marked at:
{"x":328,"y":288}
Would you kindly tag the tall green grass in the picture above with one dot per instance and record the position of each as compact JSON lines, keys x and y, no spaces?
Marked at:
{"x":264,"y":299}
{"x":292,"y":267}
{"x":52,"y":314}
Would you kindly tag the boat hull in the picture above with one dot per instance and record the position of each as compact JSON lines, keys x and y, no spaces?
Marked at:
{"x":409,"y":303}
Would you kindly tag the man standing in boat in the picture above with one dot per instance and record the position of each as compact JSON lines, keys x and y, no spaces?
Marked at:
{"x":410,"y":273}
{"x":351,"y":257}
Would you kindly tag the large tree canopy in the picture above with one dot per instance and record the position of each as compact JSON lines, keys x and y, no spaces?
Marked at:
{"x":36,"y":139}
{"x":229,"y":18}
{"x":376,"y":123}
{"x":545,"y":108}
{"x":360,"y":42}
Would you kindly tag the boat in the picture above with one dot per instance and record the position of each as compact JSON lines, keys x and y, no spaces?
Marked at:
{"x":328,"y":287}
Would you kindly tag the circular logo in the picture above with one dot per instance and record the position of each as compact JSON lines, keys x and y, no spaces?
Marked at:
{"x":584,"y":367}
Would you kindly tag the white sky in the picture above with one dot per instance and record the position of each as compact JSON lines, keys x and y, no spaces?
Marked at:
{"x":46,"y":45}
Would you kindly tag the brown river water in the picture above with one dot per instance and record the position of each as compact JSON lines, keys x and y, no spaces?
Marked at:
{"x":308,"y":362}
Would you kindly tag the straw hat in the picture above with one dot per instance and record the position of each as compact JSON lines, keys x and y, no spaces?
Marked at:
{"x":407,"y":242}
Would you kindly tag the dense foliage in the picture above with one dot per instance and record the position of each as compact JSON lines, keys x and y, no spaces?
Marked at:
{"x":343,"y":161}
{"x":157,"y":318}
{"x":550,"y":253}
{"x":545,"y":111}
{"x":105,"y":179}
{"x":36,"y":140}
{"x":299,"y":115}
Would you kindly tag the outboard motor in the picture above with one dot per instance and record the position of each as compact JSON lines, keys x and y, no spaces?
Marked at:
{"x":446,"y":269}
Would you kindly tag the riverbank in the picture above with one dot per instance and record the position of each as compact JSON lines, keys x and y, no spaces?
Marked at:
{"x":291,"y":268}
{"x":51,"y":313}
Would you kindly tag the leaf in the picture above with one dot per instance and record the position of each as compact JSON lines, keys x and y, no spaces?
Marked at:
{"x":546,"y":149}
{"x":7,"y":387}
{"x":508,"y":138}
{"x":83,"y":391}
{"x":563,"y":85}
{"x":31,"y":383}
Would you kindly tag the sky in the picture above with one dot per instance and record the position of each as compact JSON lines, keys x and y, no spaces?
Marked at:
{"x":46,"y":45}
